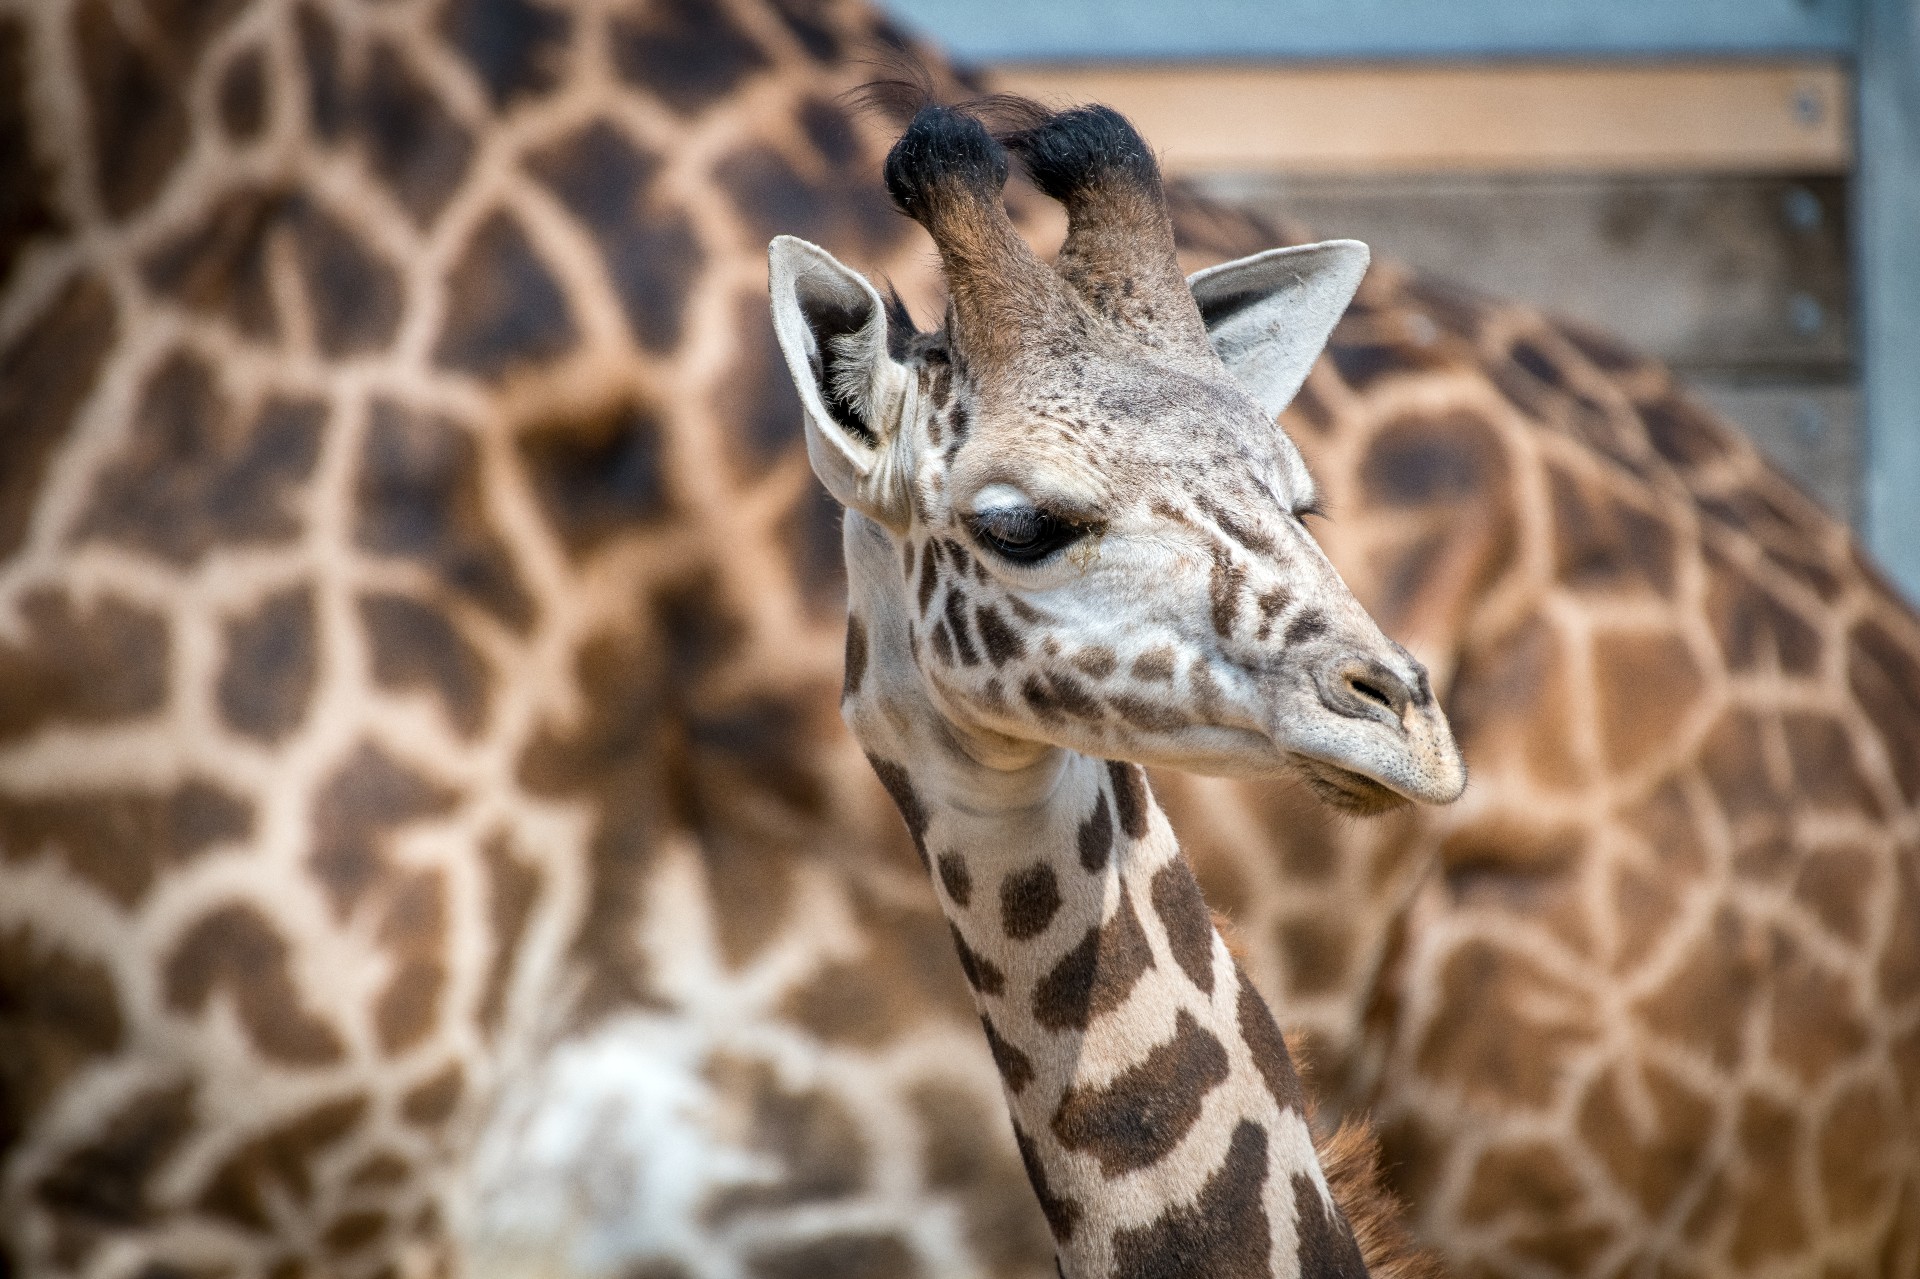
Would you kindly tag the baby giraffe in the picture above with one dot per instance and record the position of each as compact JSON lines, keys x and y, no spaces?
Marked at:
{"x":1074,"y":546}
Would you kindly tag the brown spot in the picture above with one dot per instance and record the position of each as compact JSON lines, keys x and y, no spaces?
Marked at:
{"x":981,"y":973}
{"x":104,"y":665}
{"x":413,"y":934}
{"x":120,"y":842}
{"x":1052,"y":693}
{"x":1857,"y":1164}
{"x":46,"y":374}
{"x":1826,"y":772}
{"x":1224,"y":583}
{"x":1511,"y":702}
{"x":278,"y":1166}
{"x":1754,"y":628}
{"x":410,"y":139}
{"x":1736,"y":769}
{"x":854,"y":1255}
{"x":431,"y":1104}
{"x":189,"y":481}
{"x":808,"y":1133}
{"x":1097,"y":661}
{"x":1653,"y":1158}
{"x":1138,"y":1117}
{"x":139,"y":121}
{"x":419,"y":498}
{"x":1130,"y":799}
{"x":234,"y":950}
{"x":894,"y":779}
{"x":1769,"y":1223}
{"x":1646,"y":686}
{"x":218,"y":266}
{"x":856,"y":658}
{"x":1306,"y":624}
{"x":1603,"y":543}
{"x":108,"y":1179}
{"x":243,"y":95}
{"x":1510,"y":1027}
{"x":599,"y":475}
{"x":1183,"y":913}
{"x":1838,"y":886}
{"x":58,"y":1013}
{"x":1267,"y":1046}
{"x":272,"y":663}
{"x":1001,"y":641}
{"x":1061,"y":1211}
{"x":1029,"y":899}
{"x":648,"y":247}
{"x":1707,"y":1002}
{"x":1443,"y":460}
{"x":29,"y":199}
{"x":1097,"y":975}
{"x":504,"y":310}
{"x":688,"y":53}
{"x":943,"y":644}
{"x":1317,"y":949}
{"x":1326,"y":1244}
{"x":352,"y":1231}
{"x":1015,"y":1068}
{"x":846,"y":215}
{"x":355,"y":813}
{"x":513,"y":889}
{"x":956,"y":879}
{"x":929,"y":576}
{"x":1234,"y":527}
{"x":416,"y":646}
{"x":517,"y":47}
{"x":1224,"y":1234}
{"x":1155,"y":666}
{"x":1817,"y":1024}
{"x":956,"y":617}
{"x":1527,"y":1178}
{"x":1884,"y":673}
{"x":381,"y":1169}
{"x":1095,"y":836}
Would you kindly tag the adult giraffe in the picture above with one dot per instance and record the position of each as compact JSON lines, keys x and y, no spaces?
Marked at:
{"x":419,"y":637}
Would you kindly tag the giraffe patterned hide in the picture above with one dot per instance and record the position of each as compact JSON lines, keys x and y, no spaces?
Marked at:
{"x":428,"y":843}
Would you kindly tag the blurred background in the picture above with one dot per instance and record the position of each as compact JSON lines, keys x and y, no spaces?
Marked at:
{"x":1732,"y":185}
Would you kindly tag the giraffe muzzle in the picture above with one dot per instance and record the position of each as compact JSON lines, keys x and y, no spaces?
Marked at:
{"x":1387,"y":739}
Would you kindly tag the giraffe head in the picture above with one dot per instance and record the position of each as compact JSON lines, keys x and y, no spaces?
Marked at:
{"x":1074,"y":502}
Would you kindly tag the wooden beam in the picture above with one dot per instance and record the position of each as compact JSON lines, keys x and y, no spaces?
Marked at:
{"x":1746,"y":117}
{"x":1114,"y":30}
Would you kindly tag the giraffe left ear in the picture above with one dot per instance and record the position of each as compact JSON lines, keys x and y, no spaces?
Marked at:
{"x":1269,"y":315}
{"x":832,"y":329}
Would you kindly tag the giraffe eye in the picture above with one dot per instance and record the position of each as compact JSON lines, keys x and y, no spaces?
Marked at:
{"x":1023,"y":534}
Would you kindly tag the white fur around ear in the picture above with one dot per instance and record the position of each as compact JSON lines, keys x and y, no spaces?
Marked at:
{"x":1269,"y":315}
{"x":832,"y":328}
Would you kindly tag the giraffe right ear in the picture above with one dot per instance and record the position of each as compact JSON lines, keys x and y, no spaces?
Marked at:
{"x":1270,"y":315}
{"x":832,"y":329}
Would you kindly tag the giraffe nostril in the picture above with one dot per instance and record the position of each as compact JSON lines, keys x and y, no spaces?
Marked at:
{"x":1364,"y":689}
{"x":1371,"y":693}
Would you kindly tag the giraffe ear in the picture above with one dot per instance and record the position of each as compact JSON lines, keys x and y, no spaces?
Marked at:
{"x":1269,"y":316}
{"x":832,"y":328}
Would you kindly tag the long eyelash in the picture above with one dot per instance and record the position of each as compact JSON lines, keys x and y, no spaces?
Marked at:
{"x":1316,"y":507}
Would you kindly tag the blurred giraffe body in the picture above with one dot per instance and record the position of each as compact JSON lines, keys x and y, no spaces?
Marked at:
{"x":425,"y":827}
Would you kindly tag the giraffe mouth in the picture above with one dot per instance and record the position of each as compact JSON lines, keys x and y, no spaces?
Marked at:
{"x":1347,"y":790}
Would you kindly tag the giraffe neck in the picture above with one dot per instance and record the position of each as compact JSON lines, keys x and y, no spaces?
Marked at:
{"x":1156,"y":1109}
